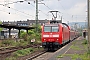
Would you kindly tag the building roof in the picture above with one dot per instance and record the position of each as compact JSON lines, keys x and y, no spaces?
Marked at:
{"x":16,"y":26}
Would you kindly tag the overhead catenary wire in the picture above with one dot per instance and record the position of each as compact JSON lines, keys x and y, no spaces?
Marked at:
{"x":21,"y":11}
{"x":28,"y":3}
{"x":39,"y":9}
{"x":12,"y":2}
{"x":22,"y":2}
{"x":18,"y":11}
{"x":46,"y":5}
{"x":13,"y":13}
{"x":43,"y":12}
{"x":4,"y":11}
{"x":66,"y":10}
{"x":5,"y":5}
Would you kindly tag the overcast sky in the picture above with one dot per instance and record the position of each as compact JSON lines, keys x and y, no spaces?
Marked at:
{"x":70,"y":10}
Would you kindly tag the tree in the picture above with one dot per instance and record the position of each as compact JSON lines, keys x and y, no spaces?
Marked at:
{"x":0,"y":27}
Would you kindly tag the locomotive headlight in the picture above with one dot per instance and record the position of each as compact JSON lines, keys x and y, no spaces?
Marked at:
{"x":55,"y":35}
{"x":44,"y":39}
{"x":57,"y":39}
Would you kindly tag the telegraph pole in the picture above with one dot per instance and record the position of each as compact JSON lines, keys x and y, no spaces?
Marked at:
{"x":36,"y":15}
{"x":88,"y":12}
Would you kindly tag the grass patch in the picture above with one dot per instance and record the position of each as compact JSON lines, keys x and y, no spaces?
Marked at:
{"x":60,"y":56}
{"x":88,"y":52}
{"x":20,"y":53}
{"x":10,"y":58}
{"x":23,"y":52}
{"x":76,"y":56}
{"x":75,"y":47}
{"x":6,"y":43}
{"x":85,"y":42}
{"x":74,"y":42}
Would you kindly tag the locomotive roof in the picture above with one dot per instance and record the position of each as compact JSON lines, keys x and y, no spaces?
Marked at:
{"x":51,"y":24}
{"x":56,"y":24}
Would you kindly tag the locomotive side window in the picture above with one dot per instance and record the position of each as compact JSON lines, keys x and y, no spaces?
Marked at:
{"x":47,"y":29}
{"x":55,"y":29}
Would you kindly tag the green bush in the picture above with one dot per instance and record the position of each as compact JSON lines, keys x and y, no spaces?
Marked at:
{"x":10,"y":58}
{"x":23,"y":52}
{"x":36,"y":36}
{"x":85,"y":42}
{"x":88,"y":52}
{"x":8,"y":42}
{"x":30,"y":32}
{"x":0,"y":44}
{"x":23,"y":35}
{"x":23,"y":43}
{"x":16,"y":44}
{"x":20,"y":43}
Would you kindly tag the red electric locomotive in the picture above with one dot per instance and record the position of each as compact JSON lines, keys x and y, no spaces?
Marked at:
{"x":55,"y":35}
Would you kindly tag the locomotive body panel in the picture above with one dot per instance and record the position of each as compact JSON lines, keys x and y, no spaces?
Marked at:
{"x":55,"y":35}
{"x":65,"y":34}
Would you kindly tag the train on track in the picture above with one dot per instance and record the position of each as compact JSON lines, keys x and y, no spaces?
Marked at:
{"x":55,"y":35}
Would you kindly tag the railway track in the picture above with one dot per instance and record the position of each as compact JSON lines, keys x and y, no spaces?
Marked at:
{"x":39,"y":55}
{"x":36,"y":55}
{"x":45,"y":55}
{"x":4,"y":51}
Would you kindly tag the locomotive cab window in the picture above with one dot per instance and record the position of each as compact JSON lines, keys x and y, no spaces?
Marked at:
{"x":51,"y":28}
{"x":47,"y":29}
{"x":54,"y":29}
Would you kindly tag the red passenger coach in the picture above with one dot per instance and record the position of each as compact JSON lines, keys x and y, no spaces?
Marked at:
{"x":54,"y":35}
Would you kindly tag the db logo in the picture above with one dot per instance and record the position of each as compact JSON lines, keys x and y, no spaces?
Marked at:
{"x":50,"y":36}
